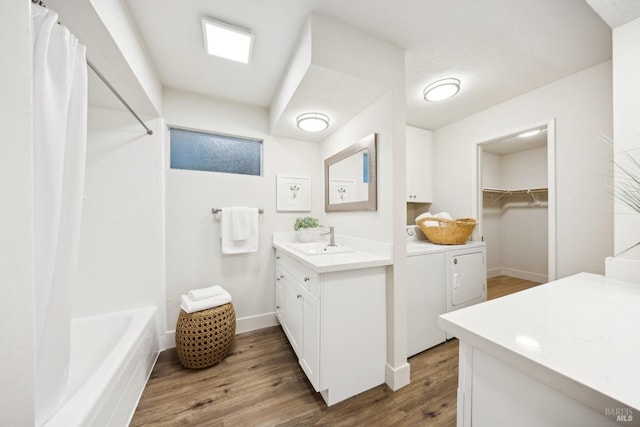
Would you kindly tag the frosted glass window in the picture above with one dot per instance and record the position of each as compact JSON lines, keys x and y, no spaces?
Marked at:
{"x":211,"y":152}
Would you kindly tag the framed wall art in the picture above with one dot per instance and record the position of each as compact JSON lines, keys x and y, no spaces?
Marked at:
{"x":293,"y":193}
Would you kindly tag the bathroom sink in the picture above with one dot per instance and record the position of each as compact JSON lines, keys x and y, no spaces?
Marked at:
{"x":319,"y":248}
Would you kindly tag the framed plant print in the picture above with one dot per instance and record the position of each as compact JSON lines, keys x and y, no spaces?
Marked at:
{"x":293,"y":193}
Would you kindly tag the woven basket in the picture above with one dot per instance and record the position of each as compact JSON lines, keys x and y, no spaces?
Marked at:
{"x":449,"y":232}
{"x":205,"y":337}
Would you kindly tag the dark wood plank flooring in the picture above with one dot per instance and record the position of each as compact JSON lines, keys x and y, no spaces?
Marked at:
{"x":261,"y":384}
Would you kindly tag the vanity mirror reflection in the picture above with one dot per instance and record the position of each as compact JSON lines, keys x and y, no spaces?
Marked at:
{"x":350,"y":178}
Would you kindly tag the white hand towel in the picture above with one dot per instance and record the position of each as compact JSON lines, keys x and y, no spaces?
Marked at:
{"x":239,"y":223}
{"x":231,"y":246}
{"x":202,"y":293}
{"x":191,"y":306}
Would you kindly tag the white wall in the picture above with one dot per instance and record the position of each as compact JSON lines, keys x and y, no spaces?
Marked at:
{"x":524,"y":169}
{"x":516,"y":231}
{"x":194,"y":257}
{"x":17,"y":324}
{"x":117,"y":20}
{"x":122,"y":246}
{"x":626,"y":99}
{"x":370,"y":225}
{"x":492,"y":213}
{"x":381,"y":64}
{"x":582,"y":107}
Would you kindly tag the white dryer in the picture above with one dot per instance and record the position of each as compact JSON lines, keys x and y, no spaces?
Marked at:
{"x":466,"y":272}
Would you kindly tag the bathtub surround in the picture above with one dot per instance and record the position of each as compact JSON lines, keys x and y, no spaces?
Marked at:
{"x":111,"y":359}
{"x":60,"y":140}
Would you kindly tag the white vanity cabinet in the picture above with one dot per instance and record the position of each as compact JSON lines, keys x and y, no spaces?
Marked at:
{"x":419,"y":165}
{"x":298,"y":312}
{"x":336,"y":324}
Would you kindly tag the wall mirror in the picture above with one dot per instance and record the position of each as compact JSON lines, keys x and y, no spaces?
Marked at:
{"x":350,"y":178}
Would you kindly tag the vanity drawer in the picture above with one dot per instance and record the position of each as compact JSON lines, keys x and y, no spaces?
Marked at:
{"x":300,"y":273}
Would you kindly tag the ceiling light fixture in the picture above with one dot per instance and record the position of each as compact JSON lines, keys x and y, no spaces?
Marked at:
{"x":227,"y":41}
{"x":441,"y":90}
{"x":313,"y":122}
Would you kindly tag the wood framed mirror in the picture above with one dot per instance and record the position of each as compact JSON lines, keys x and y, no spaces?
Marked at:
{"x":350,"y":182}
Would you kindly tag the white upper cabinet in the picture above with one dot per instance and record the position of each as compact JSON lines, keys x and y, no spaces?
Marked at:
{"x":419,"y":165}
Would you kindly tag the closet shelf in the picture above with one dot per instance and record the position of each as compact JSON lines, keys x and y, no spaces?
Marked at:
{"x":530,"y":191}
{"x":508,"y":192}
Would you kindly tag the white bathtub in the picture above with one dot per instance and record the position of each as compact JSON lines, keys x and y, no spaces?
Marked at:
{"x":111,"y":358}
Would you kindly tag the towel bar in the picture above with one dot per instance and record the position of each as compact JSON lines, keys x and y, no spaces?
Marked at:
{"x":218,"y":210}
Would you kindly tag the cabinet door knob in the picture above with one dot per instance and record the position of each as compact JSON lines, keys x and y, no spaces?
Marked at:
{"x":277,"y":307}
{"x":306,"y":279}
{"x":299,"y":295}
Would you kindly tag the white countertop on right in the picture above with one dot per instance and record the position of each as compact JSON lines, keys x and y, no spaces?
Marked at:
{"x":580,"y":335}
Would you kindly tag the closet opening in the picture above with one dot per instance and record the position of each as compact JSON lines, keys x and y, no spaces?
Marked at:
{"x":515,"y":203}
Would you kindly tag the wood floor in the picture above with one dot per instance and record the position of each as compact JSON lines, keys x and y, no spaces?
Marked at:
{"x":261,"y":384}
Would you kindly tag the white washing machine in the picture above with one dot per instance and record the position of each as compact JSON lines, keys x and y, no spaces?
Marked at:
{"x":441,"y":278}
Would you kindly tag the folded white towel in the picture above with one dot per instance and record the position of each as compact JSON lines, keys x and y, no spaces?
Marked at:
{"x":428,"y":223}
{"x":202,"y":293}
{"x":444,"y":215}
{"x":191,"y":306}
{"x":231,"y":246}
{"x":424,"y":215}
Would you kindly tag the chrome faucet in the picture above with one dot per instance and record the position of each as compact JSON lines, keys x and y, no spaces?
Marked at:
{"x":332,"y":236}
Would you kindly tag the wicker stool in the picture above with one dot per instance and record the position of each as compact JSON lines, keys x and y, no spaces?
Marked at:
{"x":205,"y":337}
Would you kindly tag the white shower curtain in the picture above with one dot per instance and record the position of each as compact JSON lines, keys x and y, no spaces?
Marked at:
{"x":60,"y":134}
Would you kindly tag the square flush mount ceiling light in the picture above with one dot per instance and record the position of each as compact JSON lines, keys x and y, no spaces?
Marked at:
{"x":227,"y":41}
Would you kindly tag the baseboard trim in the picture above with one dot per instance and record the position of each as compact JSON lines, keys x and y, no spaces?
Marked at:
{"x":494,"y":272}
{"x":252,"y":323}
{"x":518,"y":274}
{"x":396,"y":378}
{"x":244,"y":324}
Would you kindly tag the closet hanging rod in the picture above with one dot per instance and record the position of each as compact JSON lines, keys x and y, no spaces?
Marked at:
{"x":526,"y":191}
{"x":109,"y":85}
{"x":218,"y":210}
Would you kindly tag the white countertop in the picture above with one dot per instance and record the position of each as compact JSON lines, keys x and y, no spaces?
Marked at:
{"x":326,"y":263}
{"x":579,"y":335}
{"x":421,"y":247}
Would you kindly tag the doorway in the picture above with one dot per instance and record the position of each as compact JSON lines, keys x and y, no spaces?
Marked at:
{"x":515,"y":202}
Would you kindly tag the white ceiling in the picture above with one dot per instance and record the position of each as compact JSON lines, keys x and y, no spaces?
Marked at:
{"x":498,"y":48}
{"x":515,"y":144}
{"x":616,"y":12}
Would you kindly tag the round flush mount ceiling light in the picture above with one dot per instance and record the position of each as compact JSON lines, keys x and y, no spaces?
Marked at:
{"x":441,"y":90}
{"x":313,"y":122}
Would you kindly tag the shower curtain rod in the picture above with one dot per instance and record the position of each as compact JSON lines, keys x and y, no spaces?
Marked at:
{"x":109,"y":85}
{"x":115,"y":92}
